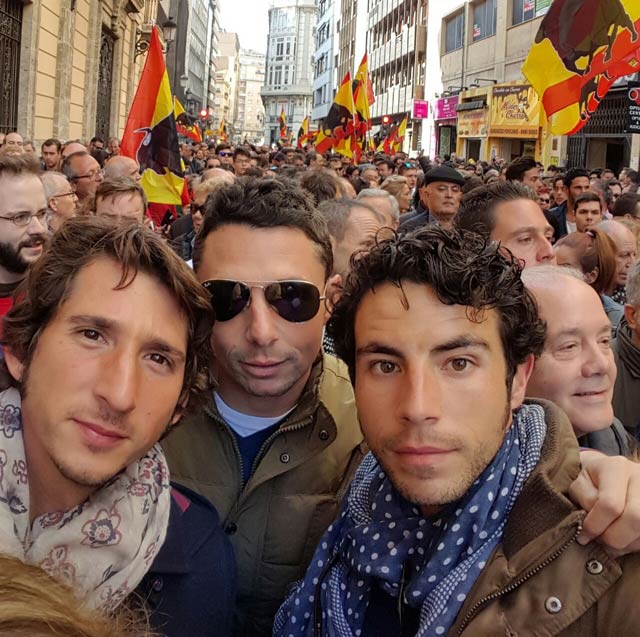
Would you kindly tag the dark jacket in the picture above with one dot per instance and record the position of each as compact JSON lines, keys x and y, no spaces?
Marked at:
{"x":557,"y":217}
{"x":612,"y":441}
{"x":275,"y":520}
{"x":626,"y":391}
{"x":416,"y":219}
{"x":190,"y":588}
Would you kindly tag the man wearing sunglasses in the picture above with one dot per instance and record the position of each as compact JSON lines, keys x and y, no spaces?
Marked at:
{"x":225,"y":154}
{"x":278,"y":439}
{"x":84,"y":174}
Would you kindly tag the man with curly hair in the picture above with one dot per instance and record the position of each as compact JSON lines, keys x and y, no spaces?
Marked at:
{"x":458,"y":521}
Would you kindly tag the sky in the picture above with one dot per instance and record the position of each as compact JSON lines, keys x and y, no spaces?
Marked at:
{"x":247,"y":18}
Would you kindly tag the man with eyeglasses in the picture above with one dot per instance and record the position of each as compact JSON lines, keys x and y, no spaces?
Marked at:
{"x":62,"y":201}
{"x":277,"y":441}
{"x":84,"y":174}
{"x":23,"y":222}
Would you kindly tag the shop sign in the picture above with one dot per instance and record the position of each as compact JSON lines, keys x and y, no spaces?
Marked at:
{"x":446,"y":107}
{"x":633,"y":107}
{"x":472,"y":123}
{"x":420,"y":109}
{"x":515,"y":112}
{"x":542,"y":6}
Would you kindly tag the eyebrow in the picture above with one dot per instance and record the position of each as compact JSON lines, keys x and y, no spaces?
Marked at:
{"x":459,"y":342}
{"x":533,"y":229}
{"x":108,"y":325}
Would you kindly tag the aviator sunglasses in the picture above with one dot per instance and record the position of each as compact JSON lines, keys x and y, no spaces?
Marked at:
{"x":294,"y":301}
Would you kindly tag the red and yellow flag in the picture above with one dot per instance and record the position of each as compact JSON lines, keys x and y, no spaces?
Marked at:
{"x":150,"y":136}
{"x":184,"y":124}
{"x":399,"y":135}
{"x":362,"y":99}
{"x":283,"y":124}
{"x":303,"y":132}
{"x":338,"y":126}
{"x":221,"y":133}
{"x":580,"y":50}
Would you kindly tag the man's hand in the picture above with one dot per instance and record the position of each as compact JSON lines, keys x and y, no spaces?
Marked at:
{"x":608,"y":488}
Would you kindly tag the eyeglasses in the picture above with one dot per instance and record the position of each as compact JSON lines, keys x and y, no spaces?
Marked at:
{"x":544,"y":200}
{"x":24,"y":218}
{"x":196,"y":207}
{"x":224,"y":153}
{"x":64,"y":194}
{"x":294,"y":301}
{"x":90,"y":175}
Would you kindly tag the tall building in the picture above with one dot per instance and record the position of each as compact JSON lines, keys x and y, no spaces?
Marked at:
{"x":227,"y":76}
{"x":70,"y":69}
{"x":289,"y":65}
{"x":249,"y":123}
{"x":191,"y":60}
{"x":352,"y":35}
{"x":397,"y":33}
{"x":325,"y":78}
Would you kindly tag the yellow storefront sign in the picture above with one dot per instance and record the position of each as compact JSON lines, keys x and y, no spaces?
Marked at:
{"x":472,"y":123}
{"x":515,"y":112}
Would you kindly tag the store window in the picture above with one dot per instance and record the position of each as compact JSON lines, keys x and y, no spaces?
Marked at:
{"x":484,"y":19}
{"x":453,"y":33}
{"x":523,"y":10}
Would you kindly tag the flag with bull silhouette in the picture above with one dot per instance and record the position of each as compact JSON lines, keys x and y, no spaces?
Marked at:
{"x":580,"y":50}
{"x":150,"y":136}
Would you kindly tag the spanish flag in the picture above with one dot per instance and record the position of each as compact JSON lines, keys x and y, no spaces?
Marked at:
{"x":399,"y":135}
{"x":338,"y":127}
{"x":362,"y":92}
{"x":184,"y":124}
{"x":303,"y":132}
{"x":581,"y":49}
{"x":283,"y":124}
{"x":221,"y":133}
{"x":150,"y":136}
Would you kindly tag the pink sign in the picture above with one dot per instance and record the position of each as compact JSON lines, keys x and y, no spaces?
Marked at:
{"x":446,"y":107}
{"x":420,"y":109}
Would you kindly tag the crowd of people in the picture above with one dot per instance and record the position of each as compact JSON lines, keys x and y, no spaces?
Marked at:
{"x":323,"y":398}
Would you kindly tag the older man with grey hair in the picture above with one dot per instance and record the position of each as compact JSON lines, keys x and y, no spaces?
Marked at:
{"x":62,"y":200}
{"x":626,"y":347}
{"x":384,"y":202}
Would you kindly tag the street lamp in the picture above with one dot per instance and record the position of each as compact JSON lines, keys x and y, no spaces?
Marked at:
{"x":169,"y":28}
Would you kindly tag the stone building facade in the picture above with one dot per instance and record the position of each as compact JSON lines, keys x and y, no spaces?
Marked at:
{"x":69,"y":66}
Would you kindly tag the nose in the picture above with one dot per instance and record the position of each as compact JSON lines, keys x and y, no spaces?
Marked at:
{"x":596,"y":360}
{"x":261,"y":327}
{"x":545,"y":251}
{"x":37,"y":225}
{"x":118,"y":381}
{"x":421,"y":397}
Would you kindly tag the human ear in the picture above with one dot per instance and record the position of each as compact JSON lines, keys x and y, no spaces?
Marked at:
{"x":520,"y":381}
{"x":14,"y":365}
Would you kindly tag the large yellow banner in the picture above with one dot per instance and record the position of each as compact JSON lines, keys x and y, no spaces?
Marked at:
{"x":515,"y":111}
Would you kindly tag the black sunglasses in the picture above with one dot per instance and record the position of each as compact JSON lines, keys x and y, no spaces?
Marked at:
{"x":294,"y":301}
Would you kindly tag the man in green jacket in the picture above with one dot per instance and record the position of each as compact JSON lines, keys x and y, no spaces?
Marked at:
{"x":276,"y":445}
{"x":458,"y":522}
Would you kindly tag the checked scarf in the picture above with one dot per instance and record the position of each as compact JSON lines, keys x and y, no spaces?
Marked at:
{"x":103,"y":547}
{"x":379,"y":533}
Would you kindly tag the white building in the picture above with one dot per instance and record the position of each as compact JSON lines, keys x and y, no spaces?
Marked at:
{"x":249,"y":122}
{"x":325,"y":80}
{"x":289,"y":65}
{"x":227,"y":78}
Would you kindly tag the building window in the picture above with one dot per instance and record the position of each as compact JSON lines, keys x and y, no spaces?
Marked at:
{"x":484,"y":19}
{"x":453,"y":33}
{"x":523,"y":10}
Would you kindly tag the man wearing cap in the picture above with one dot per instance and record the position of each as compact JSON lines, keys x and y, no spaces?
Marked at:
{"x":440,"y":191}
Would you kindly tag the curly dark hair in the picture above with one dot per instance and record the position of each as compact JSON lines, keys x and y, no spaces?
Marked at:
{"x":463,"y":268}
{"x":78,"y":243}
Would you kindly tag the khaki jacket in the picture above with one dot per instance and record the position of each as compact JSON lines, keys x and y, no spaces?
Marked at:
{"x":540,"y":582}
{"x":294,"y":492}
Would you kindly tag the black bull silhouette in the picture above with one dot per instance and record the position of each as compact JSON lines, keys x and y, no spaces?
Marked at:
{"x":578,"y":28}
{"x":159,"y":148}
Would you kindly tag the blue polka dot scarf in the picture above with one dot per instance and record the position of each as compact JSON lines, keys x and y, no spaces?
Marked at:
{"x":379,"y":536}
